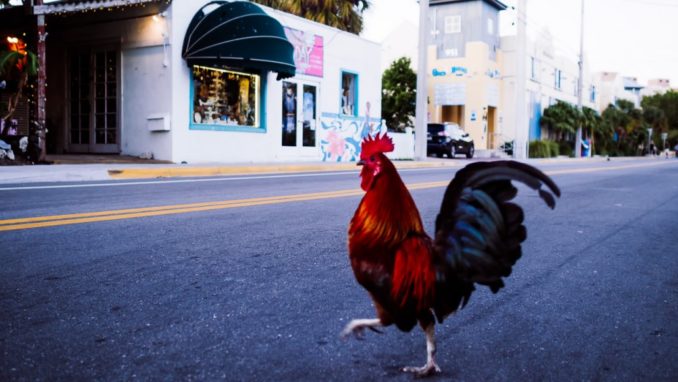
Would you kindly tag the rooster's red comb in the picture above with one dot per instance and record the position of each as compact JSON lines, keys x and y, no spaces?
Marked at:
{"x":379,"y":144}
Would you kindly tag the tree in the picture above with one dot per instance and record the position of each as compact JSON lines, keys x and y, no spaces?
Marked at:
{"x":668,"y":104}
{"x":346,"y":15}
{"x":562,"y":119}
{"x":398,"y":94}
{"x":590,"y":121}
{"x":16,"y":66}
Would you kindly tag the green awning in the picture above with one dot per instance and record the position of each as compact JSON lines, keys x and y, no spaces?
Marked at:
{"x":238,"y":35}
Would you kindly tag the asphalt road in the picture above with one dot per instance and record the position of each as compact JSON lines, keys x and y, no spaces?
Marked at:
{"x":261,"y":292}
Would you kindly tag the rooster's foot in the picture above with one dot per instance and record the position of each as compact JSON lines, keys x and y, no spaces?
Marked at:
{"x":429,"y":369}
{"x":357,"y":328}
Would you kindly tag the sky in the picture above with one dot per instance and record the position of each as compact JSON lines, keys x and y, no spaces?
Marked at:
{"x":636,"y":38}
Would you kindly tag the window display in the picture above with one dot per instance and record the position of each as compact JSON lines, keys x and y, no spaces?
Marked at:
{"x":224,"y":97}
{"x":349,"y":93}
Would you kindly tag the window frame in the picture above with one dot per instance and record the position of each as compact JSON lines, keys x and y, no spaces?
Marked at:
{"x":557,"y":79}
{"x":260,"y":98}
{"x":452,"y":20}
{"x":356,"y":92}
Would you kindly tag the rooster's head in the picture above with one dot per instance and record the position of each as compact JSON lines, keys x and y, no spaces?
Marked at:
{"x":372,"y":158}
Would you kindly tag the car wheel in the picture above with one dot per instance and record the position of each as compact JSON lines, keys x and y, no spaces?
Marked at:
{"x":470,"y":152}
{"x":439,"y":154}
{"x":452,"y":152}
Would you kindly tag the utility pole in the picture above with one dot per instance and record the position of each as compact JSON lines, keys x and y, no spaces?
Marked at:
{"x":422,"y":93}
{"x":521,"y":135}
{"x":580,"y":85}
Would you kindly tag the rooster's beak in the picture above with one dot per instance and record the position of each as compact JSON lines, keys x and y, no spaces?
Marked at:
{"x":360,"y":163}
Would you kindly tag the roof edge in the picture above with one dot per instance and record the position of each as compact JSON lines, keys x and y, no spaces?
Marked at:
{"x":70,"y":7}
{"x":495,"y":3}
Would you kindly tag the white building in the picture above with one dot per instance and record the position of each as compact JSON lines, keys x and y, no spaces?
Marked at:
{"x":402,"y":41}
{"x":200,"y":81}
{"x":549,"y":77}
{"x":656,"y":86}
{"x":612,"y":87}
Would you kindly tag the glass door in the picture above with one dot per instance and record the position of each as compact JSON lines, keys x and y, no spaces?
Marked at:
{"x":94,"y":122}
{"x":299,"y":114}
{"x":309,"y":107}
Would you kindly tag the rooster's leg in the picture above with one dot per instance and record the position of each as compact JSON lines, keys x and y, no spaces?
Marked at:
{"x":357,"y":327}
{"x":431,"y":367}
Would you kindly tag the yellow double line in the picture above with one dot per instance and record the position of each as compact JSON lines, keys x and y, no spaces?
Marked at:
{"x":90,"y":217}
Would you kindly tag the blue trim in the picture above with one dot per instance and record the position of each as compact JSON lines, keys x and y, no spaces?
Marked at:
{"x":535,"y":118}
{"x":356,"y":102}
{"x":236,"y":128}
{"x":204,"y":127}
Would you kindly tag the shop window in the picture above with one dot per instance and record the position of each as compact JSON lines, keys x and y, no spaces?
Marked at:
{"x":349,"y":93}
{"x":225,"y":98}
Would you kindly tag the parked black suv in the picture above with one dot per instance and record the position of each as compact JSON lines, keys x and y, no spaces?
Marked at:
{"x":449,"y":139}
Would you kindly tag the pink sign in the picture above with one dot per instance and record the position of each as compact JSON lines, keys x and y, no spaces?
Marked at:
{"x":308,"y":51}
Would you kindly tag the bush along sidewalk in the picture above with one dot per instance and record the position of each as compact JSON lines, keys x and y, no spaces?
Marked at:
{"x":544,"y":149}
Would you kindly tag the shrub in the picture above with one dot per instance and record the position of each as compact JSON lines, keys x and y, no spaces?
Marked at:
{"x":540,"y":149}
{"x":566,"y":148}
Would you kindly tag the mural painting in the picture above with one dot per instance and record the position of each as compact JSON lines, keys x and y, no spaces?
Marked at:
{"x":340,"y":135}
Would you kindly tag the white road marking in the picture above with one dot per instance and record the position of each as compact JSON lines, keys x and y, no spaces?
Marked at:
{"x":214,"y":179}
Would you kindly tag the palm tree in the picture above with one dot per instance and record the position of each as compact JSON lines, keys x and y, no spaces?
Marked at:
{"x":590,"y":121}
{"x":656,"y":119}
{"x":346,"y":15}
{"x":562,"y":119}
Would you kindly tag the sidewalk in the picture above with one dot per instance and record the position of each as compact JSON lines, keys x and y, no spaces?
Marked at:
{"x":106,"y":168}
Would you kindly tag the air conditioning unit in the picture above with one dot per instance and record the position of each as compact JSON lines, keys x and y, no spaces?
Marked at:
{"x":158,"y":122}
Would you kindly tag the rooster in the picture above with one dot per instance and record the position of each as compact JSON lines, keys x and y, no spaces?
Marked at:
{"x":413,"y":278}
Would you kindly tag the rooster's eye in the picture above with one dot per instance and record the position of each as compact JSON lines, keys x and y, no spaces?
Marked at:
{"x":372,"y":158}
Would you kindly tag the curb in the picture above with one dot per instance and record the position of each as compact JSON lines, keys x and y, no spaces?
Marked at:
{"x":198,"y":171}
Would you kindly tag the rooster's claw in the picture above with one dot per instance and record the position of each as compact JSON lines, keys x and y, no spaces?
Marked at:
{"x":357,"y":328}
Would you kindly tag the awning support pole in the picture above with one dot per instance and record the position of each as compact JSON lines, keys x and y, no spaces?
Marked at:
{"x":42,"y":84}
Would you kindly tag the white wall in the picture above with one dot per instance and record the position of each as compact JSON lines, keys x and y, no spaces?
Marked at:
{"x":146,"y":88}
{"x":145,"y":82}
{"x":342,"y":50}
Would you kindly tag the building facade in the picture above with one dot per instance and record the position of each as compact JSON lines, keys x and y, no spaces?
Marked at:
{"x":549,"y":77}
{"x":150,"y":79}
{"x":464,"y":68}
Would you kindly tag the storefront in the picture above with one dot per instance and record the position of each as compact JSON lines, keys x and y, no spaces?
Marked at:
{"x":266,"y":86}
{"x":207,"y":81}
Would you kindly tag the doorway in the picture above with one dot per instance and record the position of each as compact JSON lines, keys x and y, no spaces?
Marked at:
{"x":93,"y":98}
{"x":453,"y":113}
{"x":299,"y":114}
{"x":491,"y":131}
